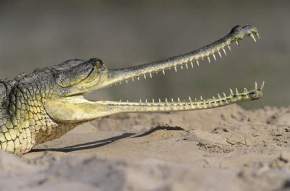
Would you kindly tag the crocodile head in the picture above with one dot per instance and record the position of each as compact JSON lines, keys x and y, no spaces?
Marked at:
{"x":77,"y":77}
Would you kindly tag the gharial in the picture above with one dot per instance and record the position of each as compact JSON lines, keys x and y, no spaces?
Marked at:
{"x":47,"y":103}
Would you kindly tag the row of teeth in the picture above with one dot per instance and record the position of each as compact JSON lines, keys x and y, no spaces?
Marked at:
{"x":219,"y":98}
{"x":196,"y":59}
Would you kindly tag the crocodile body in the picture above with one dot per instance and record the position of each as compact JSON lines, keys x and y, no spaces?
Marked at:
{"x":47,"y":103}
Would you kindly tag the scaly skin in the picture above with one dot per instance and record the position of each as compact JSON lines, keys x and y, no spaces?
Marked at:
{"x":47,"y":103}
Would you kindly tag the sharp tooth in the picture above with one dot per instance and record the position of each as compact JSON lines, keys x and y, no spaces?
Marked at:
{"x":237,"y":42}
{"x":256,"y":85}
{"x":258,"y":35}
{"x":138,"y":77}
{"x":146,"y":100}
{"x":229,"y":47}
{"x":127,"y":101}
{"x":224,"y":50}
{"x":201,"y":98}
{"x":120,"y":100}
{"x":175,"y":68}
{"x":253,"y":37}
{"x":150,"y":74}
{"x":237,"y":91}
{"x":145,"y":76}
{"x":163,"y":71}
{"x":219,"y":96}
{"x":213,"y":98}
{"x":191,"y":63}
{"x":245,"y":90}
{"x":159,"y":100}
{"x":178,"y":99}
{"x":208,"y":58}
{"x":224,"y":94}
{"x":153,"y":100}
{"x":231,"y":91}
{"x":219,"y":53}
{"x":172,"y":100}
{"x":195,"y":99}
{"x":262,"y":85}
{"x":140,"y":100}
{"x":197,"y":62}
{"x":189,"y":98}
{"x":181,"y":67}
{"x":166,"y":100}
{"x":213,"y":55}
{"x":186,"y":66}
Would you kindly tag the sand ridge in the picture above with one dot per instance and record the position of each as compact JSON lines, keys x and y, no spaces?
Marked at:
{"x":221,"y":149}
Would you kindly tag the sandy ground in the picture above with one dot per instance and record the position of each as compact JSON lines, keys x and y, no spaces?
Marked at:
{"x":221,"y":149}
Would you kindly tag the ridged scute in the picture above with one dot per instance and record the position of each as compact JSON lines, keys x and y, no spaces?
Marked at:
{"x":2,"y":94}
{"x":3,"y":103}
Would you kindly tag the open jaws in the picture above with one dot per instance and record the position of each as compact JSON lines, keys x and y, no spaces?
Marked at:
{"x":76,"y":108}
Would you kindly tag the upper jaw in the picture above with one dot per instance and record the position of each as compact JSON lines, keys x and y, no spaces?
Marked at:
{"x":209,"y":52}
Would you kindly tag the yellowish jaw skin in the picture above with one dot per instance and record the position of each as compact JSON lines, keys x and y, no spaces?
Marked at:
{"x":78,"y":109}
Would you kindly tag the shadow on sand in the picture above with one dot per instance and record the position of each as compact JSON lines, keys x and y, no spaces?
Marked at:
{"x":103,"y":142}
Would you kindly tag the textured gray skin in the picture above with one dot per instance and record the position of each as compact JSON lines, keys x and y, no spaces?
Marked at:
{"x":23,"y":119}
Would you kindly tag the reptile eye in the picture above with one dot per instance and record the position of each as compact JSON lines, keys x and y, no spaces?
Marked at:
{"x":96,"y":62}
{"x":99,"y":63}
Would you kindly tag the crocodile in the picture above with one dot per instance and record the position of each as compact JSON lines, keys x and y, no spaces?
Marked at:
{"x":44,"y":105}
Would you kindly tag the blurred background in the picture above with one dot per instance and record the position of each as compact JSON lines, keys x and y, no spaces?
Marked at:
{"x":36,"y":34}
